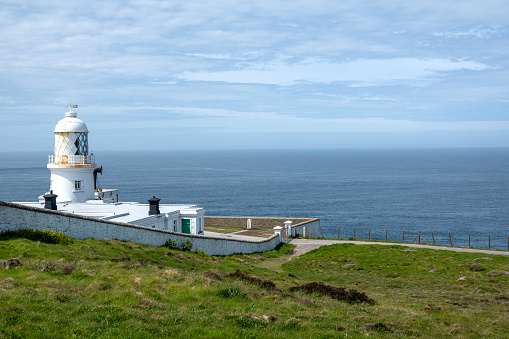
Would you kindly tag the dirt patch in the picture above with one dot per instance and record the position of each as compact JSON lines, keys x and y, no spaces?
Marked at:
{"x":212,"y":276}
{"x":253,"y":280}
{"x":338,"y":293}
{"x":431,"y":308}
{"x":476,"y":267}
{"x":68,"y":269}
{"x":11,"y":263}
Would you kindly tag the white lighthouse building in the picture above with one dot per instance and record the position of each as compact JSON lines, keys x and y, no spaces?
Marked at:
{"x":73,"y":188}
{"x":71,"y":166}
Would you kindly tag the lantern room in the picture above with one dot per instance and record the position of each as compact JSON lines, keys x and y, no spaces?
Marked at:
{"x":71,"y":166}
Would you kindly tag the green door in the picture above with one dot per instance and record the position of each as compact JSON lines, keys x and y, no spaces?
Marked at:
{"x":186,"y":226}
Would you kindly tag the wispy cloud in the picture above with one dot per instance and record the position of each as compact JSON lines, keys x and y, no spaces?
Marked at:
{"x":477,"y":32}
{"x":256,"y":66}
{"x":374,"y":71}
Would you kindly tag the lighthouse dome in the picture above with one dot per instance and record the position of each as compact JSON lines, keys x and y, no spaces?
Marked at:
{"x":71,"y":124}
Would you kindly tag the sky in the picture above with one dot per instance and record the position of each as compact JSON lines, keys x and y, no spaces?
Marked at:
{"x":182,"y":75}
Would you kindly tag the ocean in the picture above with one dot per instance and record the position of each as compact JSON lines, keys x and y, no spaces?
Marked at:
{"x":461,"y":191}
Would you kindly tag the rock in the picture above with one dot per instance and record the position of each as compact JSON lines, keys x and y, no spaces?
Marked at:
{"x":476,"y":267}
{"x":494,"y":273}
{"x":11,"y":263}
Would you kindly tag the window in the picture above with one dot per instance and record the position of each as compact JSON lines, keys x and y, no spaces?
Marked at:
{"x":77,"y":185}
{"x":81,"y":144}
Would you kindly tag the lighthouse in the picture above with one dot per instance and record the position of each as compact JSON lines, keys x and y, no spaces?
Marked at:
{"x":71,"y":165}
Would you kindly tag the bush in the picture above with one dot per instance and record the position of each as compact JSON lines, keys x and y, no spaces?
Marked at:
{"x":47,"y":236}
{"x":187,"y":246}
{"x":202,"y":254}
{"x":231,"y":292}
{"x":171,"y":244}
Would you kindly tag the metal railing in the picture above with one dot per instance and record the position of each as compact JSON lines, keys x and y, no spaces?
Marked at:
{"x":70,"y":159}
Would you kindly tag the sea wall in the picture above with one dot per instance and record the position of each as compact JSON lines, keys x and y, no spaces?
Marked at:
{"x":15,"y":216}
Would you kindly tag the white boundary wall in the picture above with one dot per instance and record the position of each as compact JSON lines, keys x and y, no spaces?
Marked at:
{"x":312,"y":228}
{"x":15,"y":216}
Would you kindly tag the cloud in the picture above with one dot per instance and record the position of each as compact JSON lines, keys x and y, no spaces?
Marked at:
{"x":477,"y":32}
{"x":259,"y":65}
{"x":370,"y":71}
{"x":261,"y":122}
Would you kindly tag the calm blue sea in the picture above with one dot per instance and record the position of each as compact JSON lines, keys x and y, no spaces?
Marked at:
{"x":460,"y":191}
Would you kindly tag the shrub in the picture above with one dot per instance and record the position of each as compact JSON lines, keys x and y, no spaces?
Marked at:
{"x":187,"y":246}
{"x":171,"y":244}
{"x":230,"y":292}
{"x":202,"y":254}
{"x":47,"y":236}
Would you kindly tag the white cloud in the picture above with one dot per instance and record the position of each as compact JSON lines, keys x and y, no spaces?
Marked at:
{"x":263,"y":122}
{"x":374,"y":71}
{"x":477,"y":32}
{"x":343,"y":59}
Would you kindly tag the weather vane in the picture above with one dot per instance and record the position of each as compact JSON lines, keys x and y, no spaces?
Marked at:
{"x":72,"y":106}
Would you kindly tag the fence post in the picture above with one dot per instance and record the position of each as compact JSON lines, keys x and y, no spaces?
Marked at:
{"x":369,"y":234}
{"x":386,"y":235}
{"x":450,"y":241}
{"x":354,"y":233}
{"x":433,"y":238}
{"x":507,"y":244}
{"x":338,"y":233}
{"x":468,"y":240}
{"x":489,"y":242}
{"x":403,"y":236}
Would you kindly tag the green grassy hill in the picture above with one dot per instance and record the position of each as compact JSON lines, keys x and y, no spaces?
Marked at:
{"x":109,"y":289}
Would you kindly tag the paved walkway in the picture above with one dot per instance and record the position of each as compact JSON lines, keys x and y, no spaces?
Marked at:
{"x":306,"y":245}
{"x":233,"y":236}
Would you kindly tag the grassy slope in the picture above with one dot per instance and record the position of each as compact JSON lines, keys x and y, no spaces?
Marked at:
{"x":156,"y":295}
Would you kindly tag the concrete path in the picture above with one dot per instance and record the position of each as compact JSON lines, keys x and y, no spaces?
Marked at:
{"x":232,"y":236}
{"x":306,"y":245}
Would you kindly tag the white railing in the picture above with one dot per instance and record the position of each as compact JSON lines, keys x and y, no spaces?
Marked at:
{"x":70,"y":159}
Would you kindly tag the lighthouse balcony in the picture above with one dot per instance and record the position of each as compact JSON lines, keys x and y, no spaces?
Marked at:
{"x":70,"y":159}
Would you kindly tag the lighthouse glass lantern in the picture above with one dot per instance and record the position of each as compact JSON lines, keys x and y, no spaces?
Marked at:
{"x":71,"y":166}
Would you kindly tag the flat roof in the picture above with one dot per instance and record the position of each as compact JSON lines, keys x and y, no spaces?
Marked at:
{"x":122,"y":211}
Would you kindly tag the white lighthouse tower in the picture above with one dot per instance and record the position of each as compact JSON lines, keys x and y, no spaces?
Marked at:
{"x":72,"y":168}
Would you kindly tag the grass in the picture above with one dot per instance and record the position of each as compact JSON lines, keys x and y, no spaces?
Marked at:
{"x":110,"y":288}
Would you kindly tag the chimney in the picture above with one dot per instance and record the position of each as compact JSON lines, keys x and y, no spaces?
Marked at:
{"x":154,"y":206}
{"x":50,"y":201}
